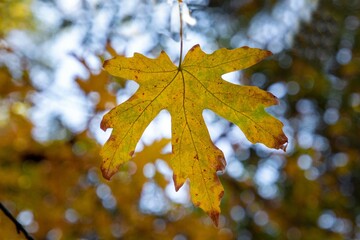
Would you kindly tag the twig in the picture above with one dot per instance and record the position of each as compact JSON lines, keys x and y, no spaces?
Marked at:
{"x":19,"y":227}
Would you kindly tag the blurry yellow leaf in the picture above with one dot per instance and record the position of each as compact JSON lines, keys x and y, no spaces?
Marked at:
{"x":15,"y":14}
{"x":8,"y":85}
{"x":97,"y":83}
{"x":151,"y":153}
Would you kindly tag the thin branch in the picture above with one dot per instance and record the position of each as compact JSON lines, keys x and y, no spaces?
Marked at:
{"x":19,"y":227}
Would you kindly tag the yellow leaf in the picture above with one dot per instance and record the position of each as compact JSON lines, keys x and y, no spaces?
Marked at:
{"x":185,"y":91}
{"x":15,"y":14}
{"x":150,"y":154}
{"x":98,"y":83}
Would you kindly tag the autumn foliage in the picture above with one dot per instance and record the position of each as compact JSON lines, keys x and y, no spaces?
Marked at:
{"x":65,"y":67}
{"x":185,"y":91}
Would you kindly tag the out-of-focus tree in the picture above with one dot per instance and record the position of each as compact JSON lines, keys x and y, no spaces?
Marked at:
{"x":53,"y":93}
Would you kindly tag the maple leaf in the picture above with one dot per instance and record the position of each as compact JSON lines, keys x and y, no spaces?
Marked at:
{"x":185,"y":91}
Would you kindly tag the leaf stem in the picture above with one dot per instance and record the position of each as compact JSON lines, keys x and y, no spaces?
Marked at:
{"x":19,"y":227}
{"x":181,"y":33}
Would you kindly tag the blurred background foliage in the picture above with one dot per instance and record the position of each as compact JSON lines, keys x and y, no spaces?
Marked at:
{"x":53,"y":95}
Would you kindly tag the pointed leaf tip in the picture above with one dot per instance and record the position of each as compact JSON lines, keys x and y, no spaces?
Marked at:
{"x":176,"y":183}
{"x":221,"y":163}
{"x":215,"y":217}
{"x":283,"y":143}
{"x":104,"y":125}
{"x":106,"y":173}
{"x":106,"y":62}
{"x":194,"y":47}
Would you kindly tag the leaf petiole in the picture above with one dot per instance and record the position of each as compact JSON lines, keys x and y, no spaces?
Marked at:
{"x":181,"y":33}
